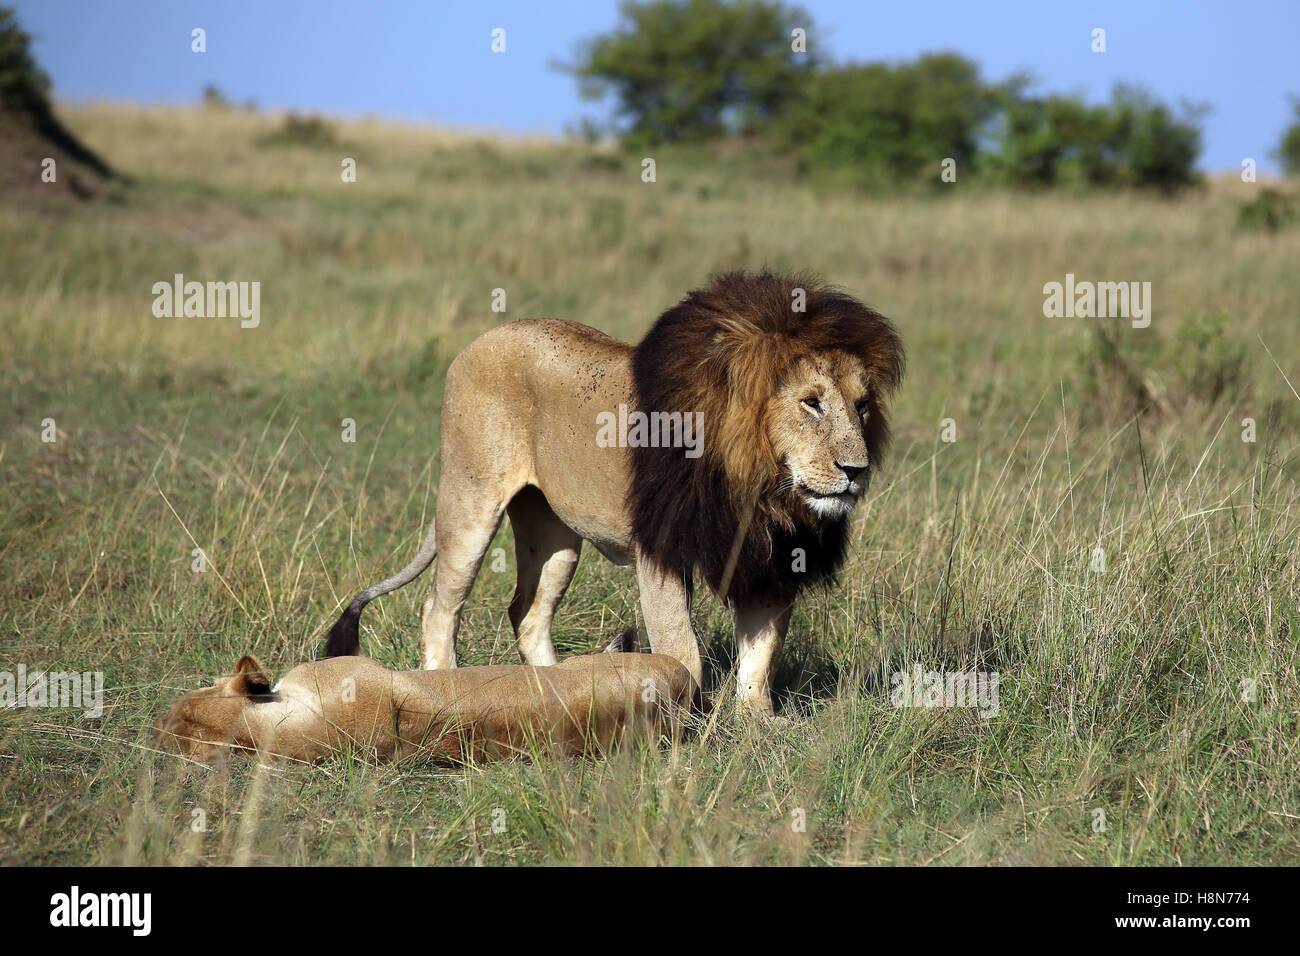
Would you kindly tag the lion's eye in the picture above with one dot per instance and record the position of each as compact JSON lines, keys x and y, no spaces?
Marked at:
{"x":811,"y":402}
{"x":862,"y":409}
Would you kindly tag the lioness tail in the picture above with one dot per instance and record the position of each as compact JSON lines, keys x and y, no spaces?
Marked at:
{"x":345,"y":636}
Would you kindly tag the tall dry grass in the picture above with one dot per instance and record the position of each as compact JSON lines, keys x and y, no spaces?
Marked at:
{"x":1153,"y":690}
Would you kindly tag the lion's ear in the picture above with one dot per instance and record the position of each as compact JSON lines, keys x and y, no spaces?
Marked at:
{"x":250,"y":677}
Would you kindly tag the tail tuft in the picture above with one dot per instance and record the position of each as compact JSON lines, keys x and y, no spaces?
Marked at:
{"x":625,"y":643}
{"x":345,"y":635}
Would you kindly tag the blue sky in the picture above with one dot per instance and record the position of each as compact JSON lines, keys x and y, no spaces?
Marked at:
{"x":431,"y":61}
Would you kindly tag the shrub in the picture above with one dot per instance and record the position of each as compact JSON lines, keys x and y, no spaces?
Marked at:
{"x":1131,"y":141}
{"x":890,"y":123}
{"x":1043,"y":142}
{"x":697,"y":70}
{"x":310,"y":131}
{"x":25,"y":92}
{"x":1288,"y":148}
{"x":1159,"y":150}
{"x":214,"y":99}
{"x":694,"y":70}
{"x":1193,"y":368}
{"x":1271,"y":210}
{"x":24,"y":86}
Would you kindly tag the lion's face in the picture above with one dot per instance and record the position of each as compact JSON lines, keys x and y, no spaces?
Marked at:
{"x":817,"y":420}
{"x":795,"y":406}
{"x":205,"y":723}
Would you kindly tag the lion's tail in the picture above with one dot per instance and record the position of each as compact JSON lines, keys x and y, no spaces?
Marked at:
{"x":345,"y":636}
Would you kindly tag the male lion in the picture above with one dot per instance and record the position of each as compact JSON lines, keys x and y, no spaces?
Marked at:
{"x":789,"y":378}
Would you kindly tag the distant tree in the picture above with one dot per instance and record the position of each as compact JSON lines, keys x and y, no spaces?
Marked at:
{"x":1288,"y":148}
{"x":891,"y":124}
{"x":1045,"y":141}
{"x":690,"y":70}
{"x":24,"y":86}
{"x":311,"y":131}
{"x":25,"y":91}
{"x":1057,"y":140}
{"x":694,"y":70}
{"x":1160,"y":150}
{"x":214,"y":99}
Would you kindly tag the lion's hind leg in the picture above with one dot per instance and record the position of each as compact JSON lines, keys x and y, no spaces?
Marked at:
{"x":470,"y":518}
{"x":546,"y":552}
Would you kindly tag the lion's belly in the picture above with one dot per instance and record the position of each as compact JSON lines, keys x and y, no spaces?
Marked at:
{"x":610,"y":537}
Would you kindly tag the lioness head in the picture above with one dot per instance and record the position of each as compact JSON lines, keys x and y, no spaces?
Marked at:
{"x":791,"y":377}
{"x":206,"y":723}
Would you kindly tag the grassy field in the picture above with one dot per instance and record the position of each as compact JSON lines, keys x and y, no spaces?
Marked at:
{"x":1133,"y":579}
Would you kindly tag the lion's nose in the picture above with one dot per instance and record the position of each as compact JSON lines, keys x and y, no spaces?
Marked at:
{"x":851,"y":471}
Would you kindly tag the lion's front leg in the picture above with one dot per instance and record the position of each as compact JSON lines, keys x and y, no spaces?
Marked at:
{"x":668,"y":616}
{"x":760,"y":633}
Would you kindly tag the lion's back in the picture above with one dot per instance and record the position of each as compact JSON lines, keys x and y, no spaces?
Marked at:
{"x":534,"y":361}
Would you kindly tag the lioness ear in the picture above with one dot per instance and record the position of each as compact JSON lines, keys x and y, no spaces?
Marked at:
{"x":250,"y":677}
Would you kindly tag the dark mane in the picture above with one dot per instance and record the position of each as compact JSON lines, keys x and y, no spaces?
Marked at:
{"x":722,"y":351}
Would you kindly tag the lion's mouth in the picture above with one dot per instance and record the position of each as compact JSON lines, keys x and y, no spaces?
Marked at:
{"x":829,"y":504}
{"x":845,"y":495}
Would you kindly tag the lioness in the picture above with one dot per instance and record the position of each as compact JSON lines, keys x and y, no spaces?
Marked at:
{"x":788,"y":379}
{"x":471,"y":714}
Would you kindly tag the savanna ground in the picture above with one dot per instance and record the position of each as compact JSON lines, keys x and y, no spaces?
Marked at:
{"x":1125,"y":690}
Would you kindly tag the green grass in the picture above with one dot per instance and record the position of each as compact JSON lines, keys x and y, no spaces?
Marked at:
{"x":1120,"y":690}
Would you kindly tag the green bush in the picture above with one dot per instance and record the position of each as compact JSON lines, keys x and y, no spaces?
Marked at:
{"x":889,"y":124}
{"x":1288,"y":149}
{"x":1271,"y":210}
{"x":1130,"y":141}
{"x":695,"y":70}
{"x":25,"y":92}
{"x":214,"y":99}
{"x":1195,"y":367}
{"x":24,"y":86}
{"x":310,"y":131}
{"x":1159,"y":150}
{"x":698,"y":70}
{"x":1053,"y":140}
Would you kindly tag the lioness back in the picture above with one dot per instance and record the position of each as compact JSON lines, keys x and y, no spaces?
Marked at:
{"x":583,"y":703}
{"x":521,"y":405}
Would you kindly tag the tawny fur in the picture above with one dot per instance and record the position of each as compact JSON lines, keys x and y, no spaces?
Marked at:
{"x":726,"y":350}
{"x":519,"y":428}
{"x":468,"y":715}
